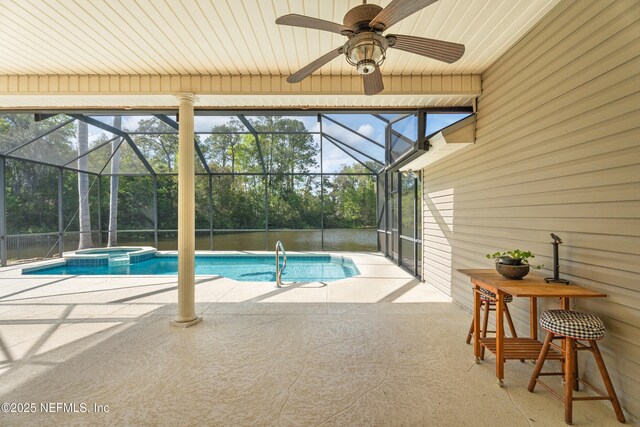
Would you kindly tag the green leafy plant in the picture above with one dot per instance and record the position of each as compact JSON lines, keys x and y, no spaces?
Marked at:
{"x":514,"y":257}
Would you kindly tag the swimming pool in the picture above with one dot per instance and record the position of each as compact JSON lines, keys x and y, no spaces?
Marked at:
{"x":245,"y":267}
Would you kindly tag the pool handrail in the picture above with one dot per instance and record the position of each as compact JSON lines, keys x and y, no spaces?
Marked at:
{"x":278,"y":269}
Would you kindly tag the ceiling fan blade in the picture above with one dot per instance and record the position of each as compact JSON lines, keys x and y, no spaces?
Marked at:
{"x":312,"y":66}
{"x":373,"y":82}
{"x":437,"y":49}
{"x":396,"y":11}
{"x":296,"y":20}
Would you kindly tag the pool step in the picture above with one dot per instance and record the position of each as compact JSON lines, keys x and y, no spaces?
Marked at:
{"x":119,"y":260}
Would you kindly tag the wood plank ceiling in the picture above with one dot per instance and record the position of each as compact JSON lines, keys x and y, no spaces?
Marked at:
{"x":238,"y":38}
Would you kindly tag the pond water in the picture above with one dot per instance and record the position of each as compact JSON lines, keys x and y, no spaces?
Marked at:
{"x":38,"y":246}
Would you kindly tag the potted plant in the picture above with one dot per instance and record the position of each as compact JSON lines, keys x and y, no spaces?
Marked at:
{"x":513,"y":264}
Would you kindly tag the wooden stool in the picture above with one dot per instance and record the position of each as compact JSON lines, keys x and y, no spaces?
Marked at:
{"x":488,"y":299}
{"x":573,"y":326}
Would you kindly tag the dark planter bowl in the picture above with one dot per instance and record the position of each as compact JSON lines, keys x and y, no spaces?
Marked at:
{"x":507,"y":260}
{"x":513,"y":272}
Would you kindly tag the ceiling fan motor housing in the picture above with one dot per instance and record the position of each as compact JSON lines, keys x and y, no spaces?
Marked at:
{"x":358,"y":18}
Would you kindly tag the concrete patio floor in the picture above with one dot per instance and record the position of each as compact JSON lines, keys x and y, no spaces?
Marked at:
{"x":378,"y":349}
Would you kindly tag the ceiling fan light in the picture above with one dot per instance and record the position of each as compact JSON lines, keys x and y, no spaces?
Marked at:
{"x":366,"y":66}
{"x":366,"y":51}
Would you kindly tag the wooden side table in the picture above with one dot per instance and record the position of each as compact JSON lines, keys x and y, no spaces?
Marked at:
{"x":532,"y":287}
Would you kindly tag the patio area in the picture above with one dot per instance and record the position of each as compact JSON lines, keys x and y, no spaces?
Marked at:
{"x":379,"y":349}
{"x":423,"y":139}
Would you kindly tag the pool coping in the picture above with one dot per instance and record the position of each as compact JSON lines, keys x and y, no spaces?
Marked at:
{"x":43,"y":265}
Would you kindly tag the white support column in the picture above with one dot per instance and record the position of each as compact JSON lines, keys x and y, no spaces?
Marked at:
{"x":186,"y":216}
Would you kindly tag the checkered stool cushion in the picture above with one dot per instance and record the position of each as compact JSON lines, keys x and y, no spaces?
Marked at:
{"x":572,"y":324}
{"x":487,"y":295}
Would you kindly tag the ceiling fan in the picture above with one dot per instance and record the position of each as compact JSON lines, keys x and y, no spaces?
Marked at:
{"x":366,"y":47}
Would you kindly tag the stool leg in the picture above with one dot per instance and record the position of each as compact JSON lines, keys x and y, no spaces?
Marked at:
{"x":607,"y":382}
{"x":485,"y":326}
{"x":576,"y":383}
{"x":568,"y":379}
{"x":540,"y":361}
{"x":470,"y":334}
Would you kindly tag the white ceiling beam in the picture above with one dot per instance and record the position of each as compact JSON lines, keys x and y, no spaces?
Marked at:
{"x":11,"y":85}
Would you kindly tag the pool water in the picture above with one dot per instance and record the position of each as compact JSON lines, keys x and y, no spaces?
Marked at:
{"x":248,"y":268}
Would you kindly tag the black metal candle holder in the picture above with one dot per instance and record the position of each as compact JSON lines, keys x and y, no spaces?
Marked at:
{"x":556,"y":263}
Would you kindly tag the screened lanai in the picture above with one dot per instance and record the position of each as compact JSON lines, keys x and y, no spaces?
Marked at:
{"x":229,"y":125}
{"x":325,"y":180}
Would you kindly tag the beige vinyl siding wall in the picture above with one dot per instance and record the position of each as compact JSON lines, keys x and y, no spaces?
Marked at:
{"x":557,"y":150}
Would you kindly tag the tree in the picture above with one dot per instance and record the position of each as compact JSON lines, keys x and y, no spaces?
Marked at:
{"x":291,"y":189}
{"x":112,"y":239}
{"x":222,"y":146}
{"x":31,"y":197}
{"x":350,"y":200}
{"x":84,"y":214}
{"x":31,"y":188}
{"x":158,"y":147}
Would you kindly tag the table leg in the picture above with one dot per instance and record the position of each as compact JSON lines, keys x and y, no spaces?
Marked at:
{"x":533,"y":317}
{"x":500,"y":337}
{"x":476,"y":323}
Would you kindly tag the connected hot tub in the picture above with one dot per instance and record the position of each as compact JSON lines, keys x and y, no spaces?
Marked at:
{"x":100,"y":257}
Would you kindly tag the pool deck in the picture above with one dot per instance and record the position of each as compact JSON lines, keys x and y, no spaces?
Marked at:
{"x":381,"y":348}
